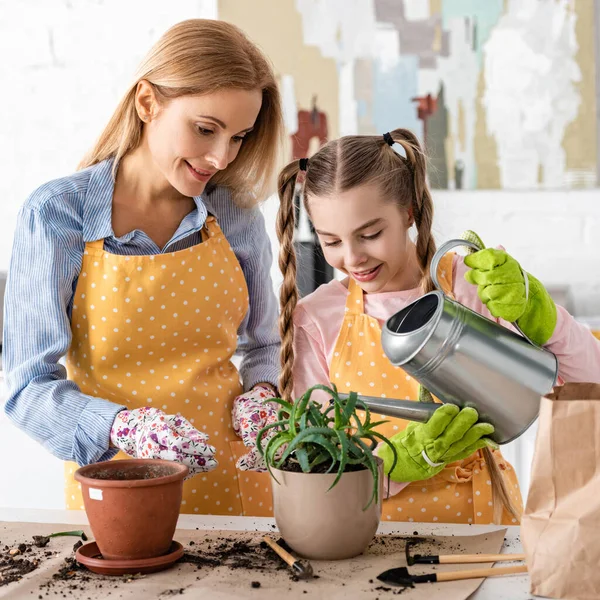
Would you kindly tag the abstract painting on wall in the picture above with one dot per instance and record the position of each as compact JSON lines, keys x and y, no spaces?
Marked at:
{"x":503,"y":92}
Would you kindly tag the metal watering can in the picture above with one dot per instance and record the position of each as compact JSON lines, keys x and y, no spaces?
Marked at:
{"x":465,"y":359}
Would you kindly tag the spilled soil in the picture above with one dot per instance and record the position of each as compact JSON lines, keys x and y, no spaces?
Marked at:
{"x":242,"y":558}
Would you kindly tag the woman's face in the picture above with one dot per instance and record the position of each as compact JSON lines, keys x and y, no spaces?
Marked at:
{"x":190,"y":138}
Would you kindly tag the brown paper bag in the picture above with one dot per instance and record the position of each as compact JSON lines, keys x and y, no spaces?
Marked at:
{"x":560,"y":529}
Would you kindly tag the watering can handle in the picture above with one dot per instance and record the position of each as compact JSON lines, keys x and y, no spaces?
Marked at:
{"x":445,"y":247}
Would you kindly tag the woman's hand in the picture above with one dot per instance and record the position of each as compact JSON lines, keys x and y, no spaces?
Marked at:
{"x":150,"y":433}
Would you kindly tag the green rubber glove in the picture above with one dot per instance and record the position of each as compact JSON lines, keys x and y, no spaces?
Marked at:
{"x":501,"y":287}
{"x":450,"y":434}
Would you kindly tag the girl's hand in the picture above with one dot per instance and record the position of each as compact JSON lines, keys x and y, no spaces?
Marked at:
{"x":150,"y":433}
{"x":424,"y":449}
{"x":501,"y":287}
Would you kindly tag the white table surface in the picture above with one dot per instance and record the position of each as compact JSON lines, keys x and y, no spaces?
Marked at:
{"x":513,"y":587}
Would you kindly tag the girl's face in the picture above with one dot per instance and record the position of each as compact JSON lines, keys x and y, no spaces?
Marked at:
{"x":365,"y":235}
{"x":190,"y":138}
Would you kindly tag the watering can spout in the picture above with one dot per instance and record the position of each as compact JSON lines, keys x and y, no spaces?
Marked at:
{"x":401,"y":409}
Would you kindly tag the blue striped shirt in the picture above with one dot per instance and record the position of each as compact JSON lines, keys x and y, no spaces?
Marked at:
{"x":52,"y":229}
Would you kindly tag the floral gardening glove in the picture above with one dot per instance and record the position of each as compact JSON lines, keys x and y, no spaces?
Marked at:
{"x":424,"y":449}
{"x":150,"y":433}
{"x":251,"y":412}
{"x":501,"y":287}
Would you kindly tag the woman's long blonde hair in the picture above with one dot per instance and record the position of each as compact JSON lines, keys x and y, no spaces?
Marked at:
{"x":339,"y":166}
{"x":200,"y":56}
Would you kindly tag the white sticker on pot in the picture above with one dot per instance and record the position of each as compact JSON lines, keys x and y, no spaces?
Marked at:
{"x":95,"y":494}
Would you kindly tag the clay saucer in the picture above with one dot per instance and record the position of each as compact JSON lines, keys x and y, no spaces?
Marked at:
{"x":90,"y":556}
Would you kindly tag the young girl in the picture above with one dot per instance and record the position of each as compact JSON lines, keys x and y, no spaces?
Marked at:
{"x":143,"y":279}
{"x":363,"y":198}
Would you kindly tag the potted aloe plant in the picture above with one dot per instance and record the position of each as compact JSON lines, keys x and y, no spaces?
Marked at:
{"x":326,"y":479}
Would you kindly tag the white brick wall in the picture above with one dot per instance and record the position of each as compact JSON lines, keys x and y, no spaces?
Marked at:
{"x":554,"y":235}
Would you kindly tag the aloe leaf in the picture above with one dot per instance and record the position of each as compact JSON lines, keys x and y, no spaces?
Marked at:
{"x":328,"y":411}
{"x":41,"y":541}
{"x":337,"y":411}
{"x":298,"y":439}
{"x":322,"y":441}
{"x":291,"y":422}
{"x":303,"y":421}
{"x":386,"y":441}
{"x":359,"y":426}
{"x":344,"y":445}
{"x":302,"y":457}
{"x":372,"y":464}
{"x":376,"y":424}
{"x":300,"y":408}
{"x":79,"y":533}
{"x":317,"y":418}
{"x":273,"y":445}
{"x":367,"y":421}
{"x":261,"y":433}
{"x":319,"y":459}
{"x":307,"y":395}
{"x":283,"y":403}
{"x":350,"y":406}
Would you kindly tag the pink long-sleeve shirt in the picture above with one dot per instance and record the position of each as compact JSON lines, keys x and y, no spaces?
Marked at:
{"x":318,"y":318}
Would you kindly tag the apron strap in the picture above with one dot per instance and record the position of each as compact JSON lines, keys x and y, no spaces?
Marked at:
{"x":211,"y":226}
{"x":96,"y":245}
{"x":445,"y":273}
{"x":355,"y":303}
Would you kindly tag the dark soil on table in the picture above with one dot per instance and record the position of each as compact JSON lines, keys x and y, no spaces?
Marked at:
{"x":17,"y":561}
{"x":235,"y":554}
{"x":72,"y":580}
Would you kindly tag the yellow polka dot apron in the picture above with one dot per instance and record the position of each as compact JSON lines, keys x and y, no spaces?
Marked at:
{"x":161,"y":331}
{"x":462,"y":492}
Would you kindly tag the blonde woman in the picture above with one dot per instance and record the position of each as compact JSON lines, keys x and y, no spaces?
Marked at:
{"x":143,"y":267}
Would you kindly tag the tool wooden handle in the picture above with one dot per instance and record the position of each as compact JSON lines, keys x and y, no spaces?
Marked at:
{"x":479,"y":573}
{"x":454,"y":559}
{"x":289,"y":559}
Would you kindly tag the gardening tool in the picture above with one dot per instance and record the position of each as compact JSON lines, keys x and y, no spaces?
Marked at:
{"x":465,"y":359}
{"x":301,"y":568}
{"x":455,"y":559}
{"x":401,"y":576}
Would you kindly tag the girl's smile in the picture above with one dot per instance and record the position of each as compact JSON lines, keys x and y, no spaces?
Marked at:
{"x":368,"y":275}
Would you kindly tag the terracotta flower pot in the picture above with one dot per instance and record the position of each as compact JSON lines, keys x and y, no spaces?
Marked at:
{"x":132,"y":505}
{"x":326,"y":525}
